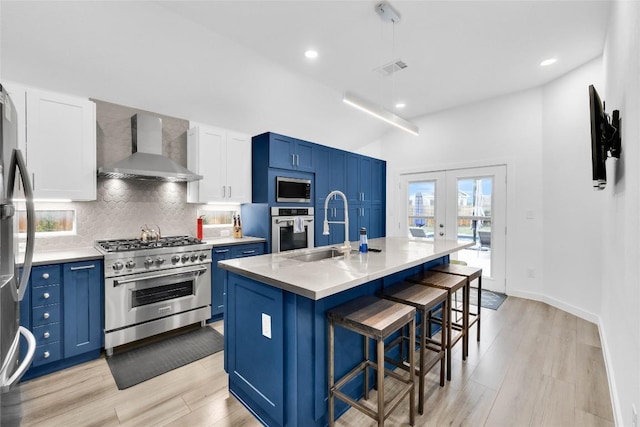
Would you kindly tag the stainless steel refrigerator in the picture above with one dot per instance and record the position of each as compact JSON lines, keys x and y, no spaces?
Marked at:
{"x":15,"y":187}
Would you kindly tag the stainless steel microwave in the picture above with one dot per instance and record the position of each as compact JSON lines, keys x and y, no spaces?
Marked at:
{"x":293,"y":190}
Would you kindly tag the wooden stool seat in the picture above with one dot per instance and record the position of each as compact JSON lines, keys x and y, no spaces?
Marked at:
{"x":377,"y":319}
{"x":451,"y":284}
{"x":425,"y":299}
{"x":471,"y":273}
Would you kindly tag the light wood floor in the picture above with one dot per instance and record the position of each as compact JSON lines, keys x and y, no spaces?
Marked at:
{"x":535,"y":365}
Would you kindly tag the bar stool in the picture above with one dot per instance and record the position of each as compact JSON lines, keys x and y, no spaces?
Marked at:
{"x":451,"y":284}
{"x":425,"y":299}
{"x":377,"y":319}
{"x":471,"y":273}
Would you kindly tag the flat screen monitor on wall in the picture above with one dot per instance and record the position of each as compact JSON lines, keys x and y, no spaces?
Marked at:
{"x":605,"y":138}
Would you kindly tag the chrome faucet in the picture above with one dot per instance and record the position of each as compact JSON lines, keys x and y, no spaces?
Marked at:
{"x":325,"y":230}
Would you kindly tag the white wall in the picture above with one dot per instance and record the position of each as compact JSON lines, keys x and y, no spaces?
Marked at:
{"x":620,"y":317}
{"x":505,"y":130}
{"x":572,"y":211}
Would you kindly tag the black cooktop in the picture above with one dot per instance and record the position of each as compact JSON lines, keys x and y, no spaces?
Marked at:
{"x":121,"y":245}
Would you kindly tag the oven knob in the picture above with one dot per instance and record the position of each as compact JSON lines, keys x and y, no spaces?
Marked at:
{"x":117,"y":266}
{"x":175,"y":258}
{"x":185,"y":258}
{"x":194,"y":257}
{"x":130,"y":264}
{"x":148,"y":262}
{"x":203,"y":256}
{"x":160,"y":261}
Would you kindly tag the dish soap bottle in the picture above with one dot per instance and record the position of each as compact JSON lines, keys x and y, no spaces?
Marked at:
{"x":364,"y":245}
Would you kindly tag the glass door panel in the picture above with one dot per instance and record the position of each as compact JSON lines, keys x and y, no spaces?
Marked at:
{"x":474,"y":220}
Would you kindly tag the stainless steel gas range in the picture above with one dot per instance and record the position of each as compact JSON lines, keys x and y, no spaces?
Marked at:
{"x":154,"y":286}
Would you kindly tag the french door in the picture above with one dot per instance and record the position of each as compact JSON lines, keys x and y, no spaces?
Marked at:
{"x":462,"y":204}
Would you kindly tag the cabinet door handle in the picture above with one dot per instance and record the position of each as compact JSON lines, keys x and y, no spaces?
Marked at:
{"x":224,"y":191}
{"x":248,"y":252}
{"x":82,"y":267}
{"x":46,"y":295}
{"x":46,"y":315}
{"x":293,"y":159}
{"x":46,"y":354}
{"x":229,"y":191}
{"x":46,"y":335}
{"x":297,"y":160}
{"x":33,"y":181}
{"x":45,"y":276}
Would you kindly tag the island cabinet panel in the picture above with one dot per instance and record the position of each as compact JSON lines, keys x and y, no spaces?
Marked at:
{"x":283,"y":379}
{"x":254,"y":358}
{"x":219,"y":276}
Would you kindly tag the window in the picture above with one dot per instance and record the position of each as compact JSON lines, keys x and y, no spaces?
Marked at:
{"x":50,"y":222}
{"x":217,"y":218}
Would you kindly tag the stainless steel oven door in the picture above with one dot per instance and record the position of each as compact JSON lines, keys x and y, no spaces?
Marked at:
{"x":283,"y":237}
{"x":139,"y":298}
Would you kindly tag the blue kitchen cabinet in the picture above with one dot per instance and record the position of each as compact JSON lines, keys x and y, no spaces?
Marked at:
{"x":286,"y":152}
{"x":64,"y":309}
{"x":219,"y":276}
{"x":83,"y":311}
{"x":276,"y":155}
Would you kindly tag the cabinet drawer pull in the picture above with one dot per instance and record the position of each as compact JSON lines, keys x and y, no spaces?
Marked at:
{"x":222,"y":251}
{"x":46,"y":335}
{"x":45,"y":276}
{"x":248,"y":252}
{"x":46,"y":315}
{"x":46,"y":295}
{"x":83,"y":267}
{"x":46,"y":354}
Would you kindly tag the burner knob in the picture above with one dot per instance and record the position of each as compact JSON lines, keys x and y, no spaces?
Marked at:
{"x":185,"y":258}
{"x":130,"y":264}
{"x":160,"y":261}
{"x":175,"y":258}
{"x":148,"y":262}
{"x":117,"y":266}
{"x":194,"y":257}
{"x":203,"y":256}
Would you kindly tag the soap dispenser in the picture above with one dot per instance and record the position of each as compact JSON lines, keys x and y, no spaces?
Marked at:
{"x":364,"y":245}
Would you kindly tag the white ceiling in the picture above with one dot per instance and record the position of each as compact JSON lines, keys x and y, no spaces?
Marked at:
{"x":240,"y":64}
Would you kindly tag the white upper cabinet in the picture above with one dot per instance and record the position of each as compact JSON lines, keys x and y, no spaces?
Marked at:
{"x":58,"y":135}
{"x":223,"y":158}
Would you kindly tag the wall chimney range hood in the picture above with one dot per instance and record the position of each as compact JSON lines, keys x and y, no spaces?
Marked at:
{"x":146,"y":161}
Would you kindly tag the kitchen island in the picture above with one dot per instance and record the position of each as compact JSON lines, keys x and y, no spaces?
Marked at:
{"x":276,"y":327}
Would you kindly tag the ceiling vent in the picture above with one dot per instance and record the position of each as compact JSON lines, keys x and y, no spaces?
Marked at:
{"x":390,"y":68}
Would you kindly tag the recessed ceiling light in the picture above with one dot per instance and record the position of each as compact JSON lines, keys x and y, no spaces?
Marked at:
{"x":401,"y":105}
{"x":548,"y":62}
{"x":311,"y":54}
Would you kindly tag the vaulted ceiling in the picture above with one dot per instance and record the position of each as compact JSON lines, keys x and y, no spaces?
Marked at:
{"x":241,"y":64}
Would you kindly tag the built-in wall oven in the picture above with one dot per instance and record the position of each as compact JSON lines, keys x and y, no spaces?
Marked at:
{"x":291,"y":228}
{"x":154,"y":286}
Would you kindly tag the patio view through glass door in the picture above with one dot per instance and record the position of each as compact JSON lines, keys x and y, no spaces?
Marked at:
{"x":462,"y":204}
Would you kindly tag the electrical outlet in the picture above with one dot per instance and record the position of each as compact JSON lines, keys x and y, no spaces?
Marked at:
{"x":634,"y":416}
{"x":266,"y":325}
{"x":531,"y":273}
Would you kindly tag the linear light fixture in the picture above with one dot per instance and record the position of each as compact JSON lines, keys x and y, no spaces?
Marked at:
{"x":379,"y":112}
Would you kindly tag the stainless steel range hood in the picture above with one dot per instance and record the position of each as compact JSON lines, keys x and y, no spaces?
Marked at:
{"x":146,"y":161}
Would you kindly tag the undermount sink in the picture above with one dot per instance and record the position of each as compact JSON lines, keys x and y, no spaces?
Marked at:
{"x":318,"y":255}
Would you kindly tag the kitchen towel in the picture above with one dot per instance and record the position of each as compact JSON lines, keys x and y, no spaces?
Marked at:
{"x":298,"y":225}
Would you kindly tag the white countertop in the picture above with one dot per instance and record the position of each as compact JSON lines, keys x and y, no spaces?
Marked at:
{"x":228,"y":241}
{"x":320,"y":279}
{"x":70,"y":255}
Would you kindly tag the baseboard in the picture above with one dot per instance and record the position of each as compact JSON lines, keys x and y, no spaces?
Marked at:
{"x":613,"y":390}
{"x":593,"y":318}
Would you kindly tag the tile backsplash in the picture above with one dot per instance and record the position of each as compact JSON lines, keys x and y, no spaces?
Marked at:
{"x":122,"y":207}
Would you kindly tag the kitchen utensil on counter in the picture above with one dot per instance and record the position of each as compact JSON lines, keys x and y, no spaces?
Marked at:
{"x":150,"y":234}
